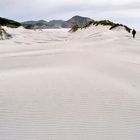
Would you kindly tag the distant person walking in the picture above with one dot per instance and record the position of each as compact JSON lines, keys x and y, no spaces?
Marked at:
{"x":134,"y":33}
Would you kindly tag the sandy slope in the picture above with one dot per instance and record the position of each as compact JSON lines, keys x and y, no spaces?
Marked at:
{"x":55,"y":85}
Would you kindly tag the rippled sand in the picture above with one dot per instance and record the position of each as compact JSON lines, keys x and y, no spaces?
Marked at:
{"x":56,"y":85}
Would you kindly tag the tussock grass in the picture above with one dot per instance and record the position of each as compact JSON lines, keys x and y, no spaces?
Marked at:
{"x":74,"y":28}
{"x":4,"y":34}
{"x":106,"y":23}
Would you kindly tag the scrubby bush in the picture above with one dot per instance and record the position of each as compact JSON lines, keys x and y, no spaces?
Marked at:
{"x":4,"y":34}
{"x":103,"y":22}
{"x":106,"y":23}
{"x":27,"y":26}
{"x":127,"y":29}
{"x":74,"y":28}
{"x":97,"y":23}
{"x":114,"y":26}
{"x":121,"y":25}
{"x":88,"y":24}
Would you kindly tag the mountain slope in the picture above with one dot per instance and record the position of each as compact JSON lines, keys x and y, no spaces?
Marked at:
{"x":9,"y":23}
{"x":80,"y":21}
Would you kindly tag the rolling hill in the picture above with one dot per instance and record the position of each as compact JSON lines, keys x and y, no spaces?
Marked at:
{"x":9,"y":23}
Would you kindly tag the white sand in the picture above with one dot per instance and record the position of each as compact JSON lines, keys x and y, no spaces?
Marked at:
{"x":55,"y":85}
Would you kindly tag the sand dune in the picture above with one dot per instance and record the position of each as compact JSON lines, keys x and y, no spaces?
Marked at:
{"x":57,"y":85}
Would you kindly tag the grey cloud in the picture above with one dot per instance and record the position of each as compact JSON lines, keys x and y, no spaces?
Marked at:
{"x":62,"y":9}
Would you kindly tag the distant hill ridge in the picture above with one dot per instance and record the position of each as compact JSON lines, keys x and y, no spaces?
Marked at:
{"x":74,"y":23}
{"x":56,"y":23}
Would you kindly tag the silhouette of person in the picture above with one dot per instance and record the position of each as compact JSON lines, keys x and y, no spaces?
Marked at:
{"x":134,"y":33}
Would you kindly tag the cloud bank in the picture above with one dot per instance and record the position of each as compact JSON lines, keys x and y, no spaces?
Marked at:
{"x":124,"y":11}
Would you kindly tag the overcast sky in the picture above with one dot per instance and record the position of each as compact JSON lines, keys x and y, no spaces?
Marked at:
{"x":122,"y":11}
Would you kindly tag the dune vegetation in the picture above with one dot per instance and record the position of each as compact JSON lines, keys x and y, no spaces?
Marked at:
{"x":4,"y":34}
{"x":103,"y":23}
{"x":74,"y":28}
{"x":9,"y":23}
